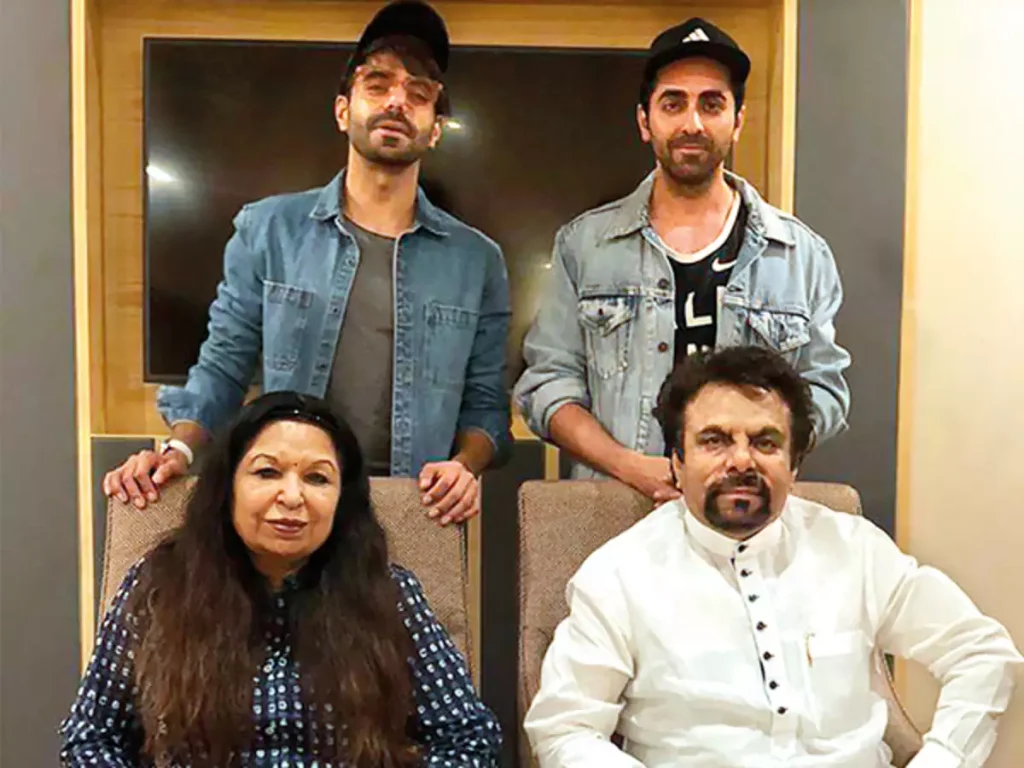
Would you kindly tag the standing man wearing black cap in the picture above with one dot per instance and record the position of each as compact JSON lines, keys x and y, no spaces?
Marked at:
{"x":692,"y":260}
{"x":364,"y":293}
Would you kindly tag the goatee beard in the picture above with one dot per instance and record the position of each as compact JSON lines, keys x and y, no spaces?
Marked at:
{"x":693,"y":177}
{"x":744,"y":518}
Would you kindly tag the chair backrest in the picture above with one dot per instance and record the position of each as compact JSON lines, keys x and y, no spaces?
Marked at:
{"x":435,"y":554}
{"x":562,"y":522}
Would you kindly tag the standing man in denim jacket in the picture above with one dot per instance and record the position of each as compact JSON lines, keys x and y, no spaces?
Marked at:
{"x":692,"y":260}
{"x":364,"y":293}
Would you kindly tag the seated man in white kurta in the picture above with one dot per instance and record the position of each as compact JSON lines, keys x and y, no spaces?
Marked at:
{"x":737,"y":626}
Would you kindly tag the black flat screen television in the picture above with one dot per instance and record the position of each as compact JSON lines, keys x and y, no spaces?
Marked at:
{"x":543,"y":134}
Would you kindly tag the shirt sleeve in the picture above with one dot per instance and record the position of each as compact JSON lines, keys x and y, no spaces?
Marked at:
{"x":230,"y":354}
{"x":455,"y":728}
{"x":553,"y":349}
{"x":485,"y":401}
{"x":585,"y":671}
{"x":924,"y":616}
{"x":822,"y":361}
{"x":103,"y":729}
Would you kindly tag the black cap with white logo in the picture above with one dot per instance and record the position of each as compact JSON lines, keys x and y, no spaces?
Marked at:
{"x":413,"y":18}
{"x":696,"y":37}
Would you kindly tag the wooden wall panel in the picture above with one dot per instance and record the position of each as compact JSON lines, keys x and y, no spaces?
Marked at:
{"x":125,"y":405}
{"x":780,"y":145}
{"x":93,"y":211}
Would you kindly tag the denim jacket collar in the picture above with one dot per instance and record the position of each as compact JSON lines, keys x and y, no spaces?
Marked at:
{"x":761,"y":217}
{"x":633,"y":212}
{"x":328,"y":206}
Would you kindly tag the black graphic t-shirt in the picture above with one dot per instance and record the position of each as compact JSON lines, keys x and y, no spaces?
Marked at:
{"x":700,"y":281}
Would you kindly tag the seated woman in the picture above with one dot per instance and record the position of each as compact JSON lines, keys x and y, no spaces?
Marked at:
{"x":270,"y":629}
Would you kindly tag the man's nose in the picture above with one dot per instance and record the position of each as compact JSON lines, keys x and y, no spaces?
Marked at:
{"x":693,"y":122}
{"x":740,"y":458}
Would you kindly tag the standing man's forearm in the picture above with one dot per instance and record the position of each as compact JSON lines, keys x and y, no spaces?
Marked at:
{"x":474,"y":450}
{"x":575,"y":429}
{"x":192,"y":433}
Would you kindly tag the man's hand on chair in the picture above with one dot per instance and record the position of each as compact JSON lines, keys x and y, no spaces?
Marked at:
{"x":451,"y":493}
{"x":140,"y":478}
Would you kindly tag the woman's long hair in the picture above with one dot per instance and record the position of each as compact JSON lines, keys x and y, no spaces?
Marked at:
{"x":202,"y":608}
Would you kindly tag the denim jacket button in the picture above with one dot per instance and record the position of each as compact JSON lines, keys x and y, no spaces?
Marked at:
{"x":663,"y":346}
{"x":663,"y":284}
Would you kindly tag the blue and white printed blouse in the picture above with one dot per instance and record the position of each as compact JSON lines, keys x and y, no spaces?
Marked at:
{"x":455,"y":729}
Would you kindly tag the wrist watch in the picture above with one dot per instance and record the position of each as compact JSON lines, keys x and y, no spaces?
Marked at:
{"x":178,"y":445}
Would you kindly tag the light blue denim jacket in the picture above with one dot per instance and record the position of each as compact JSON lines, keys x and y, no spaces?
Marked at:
{"x":610,"y":304}
{"x":288,"y":270}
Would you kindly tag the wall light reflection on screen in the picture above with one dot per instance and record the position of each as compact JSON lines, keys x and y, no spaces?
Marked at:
{"x":158,"y":174}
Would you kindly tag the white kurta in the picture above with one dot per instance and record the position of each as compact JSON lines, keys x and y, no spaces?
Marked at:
{"x":702,"y":651}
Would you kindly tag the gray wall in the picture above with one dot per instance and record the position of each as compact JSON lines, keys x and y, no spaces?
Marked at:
{"x":850,"y":174}
{"x":38,"y":539}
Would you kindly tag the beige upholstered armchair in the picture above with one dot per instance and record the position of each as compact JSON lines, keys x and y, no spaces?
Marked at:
{"x":435,"y":554}
{"x":562,"y":522}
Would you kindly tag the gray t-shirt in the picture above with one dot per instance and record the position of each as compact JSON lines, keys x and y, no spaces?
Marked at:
{"x":360,"y":384}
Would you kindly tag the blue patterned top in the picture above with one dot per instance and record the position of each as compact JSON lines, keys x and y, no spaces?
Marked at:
{"x":455,"y":729}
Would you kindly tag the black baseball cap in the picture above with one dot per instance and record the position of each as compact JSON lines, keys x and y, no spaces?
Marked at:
{"x":695,"y":37}
{"x":413,"y":18}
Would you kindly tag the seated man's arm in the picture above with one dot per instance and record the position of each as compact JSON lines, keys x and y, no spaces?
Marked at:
{"x":822,"y":361}
{"x":926,"y":617}
{"x":586,"y":669}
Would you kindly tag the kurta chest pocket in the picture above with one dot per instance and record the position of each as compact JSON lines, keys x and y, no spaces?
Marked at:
{"x":607,"y":327}
{"x":286,"y":310}
{"x":839,"y":667}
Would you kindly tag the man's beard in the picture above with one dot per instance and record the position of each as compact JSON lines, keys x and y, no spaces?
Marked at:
{"x":391,"y":150}
{"x":744,"y":515}
{"x":693,"y":170}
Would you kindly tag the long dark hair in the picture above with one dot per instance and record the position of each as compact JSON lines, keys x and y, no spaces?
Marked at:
{"x":202,"y":607}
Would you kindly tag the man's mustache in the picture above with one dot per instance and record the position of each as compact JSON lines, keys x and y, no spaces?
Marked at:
{"x":392,"y":117}
{"x":750,"y":481}
{"x":690,"y":142}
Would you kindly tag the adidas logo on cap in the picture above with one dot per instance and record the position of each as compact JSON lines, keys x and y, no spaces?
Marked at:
{"x":697,"y":36}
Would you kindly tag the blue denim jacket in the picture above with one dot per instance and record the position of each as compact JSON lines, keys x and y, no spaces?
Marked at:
{"x":610,"y":304}
{"x":288,"y":270}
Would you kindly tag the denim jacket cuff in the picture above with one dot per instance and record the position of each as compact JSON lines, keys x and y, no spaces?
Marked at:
{"x":496,"y":429}
{"x":176,"y":404}
{"x":549,"y":398}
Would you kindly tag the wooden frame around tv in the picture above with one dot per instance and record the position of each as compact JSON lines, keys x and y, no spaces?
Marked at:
{"x":121,"y":403}
{"x":107,"y":121}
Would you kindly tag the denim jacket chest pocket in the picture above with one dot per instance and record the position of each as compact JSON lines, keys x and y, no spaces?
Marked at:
{"x":786,"y":330}
{"x":286,"y":311}
{"x":447,"y":344}
{"x":607,"y":326}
